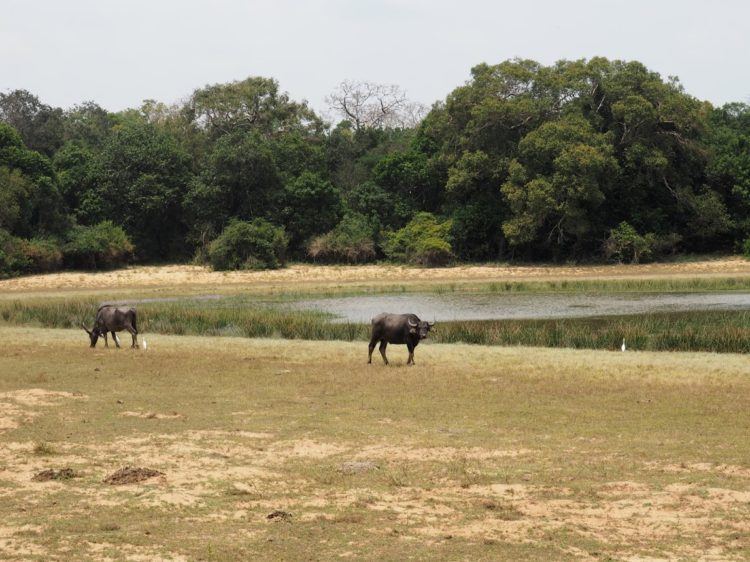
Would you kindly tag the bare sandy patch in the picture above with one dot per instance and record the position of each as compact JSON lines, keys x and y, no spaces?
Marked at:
{"x":624,"y":488}
{"x":18,"y":540}
{"x":623,"y":512}
{"x":392,"y":452}
{"x":32,"y":397}
{"x":132,"y":552}
{"x":731,"y":470}
{"x":151,"y":415}
{"x":213,"y":433}
{"x":19,"y":406}
{"x":305,"y":448}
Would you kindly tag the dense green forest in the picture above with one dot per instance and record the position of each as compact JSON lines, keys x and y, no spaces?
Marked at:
{"x":590,"y":160}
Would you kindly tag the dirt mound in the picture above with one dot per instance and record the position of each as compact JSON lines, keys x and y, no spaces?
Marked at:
{"x":55,"y":474}
{"x":279,"y":515}
{"x":131,"y":475}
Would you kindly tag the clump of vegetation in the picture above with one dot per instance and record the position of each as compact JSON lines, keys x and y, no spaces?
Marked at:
{"x":12,"y":259}
{"x":37,"y":255}
{"x":351,"y":241}
{"x":102,"y":246}
{"x":625,"y":244}
{"x":249,"y":245}
{"x":43,"y":255}
{"x":43,"y":449}
{"x":746,"y":248}
{"x":425,"y":240}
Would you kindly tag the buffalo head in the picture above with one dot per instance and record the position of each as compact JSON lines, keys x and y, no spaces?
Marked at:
{"x":420,"y":328}
{"x":93,"y":334}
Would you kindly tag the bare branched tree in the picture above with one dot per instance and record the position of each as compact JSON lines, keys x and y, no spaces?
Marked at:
{"x":412,"y":114}
{"x":371,"y":105}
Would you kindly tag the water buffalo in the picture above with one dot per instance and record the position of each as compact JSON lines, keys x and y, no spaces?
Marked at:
{"x":111,"y":318}
{"x":398,"y":328}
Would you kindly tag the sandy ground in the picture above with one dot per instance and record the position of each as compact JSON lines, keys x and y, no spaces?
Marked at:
{"x":175,"y":276}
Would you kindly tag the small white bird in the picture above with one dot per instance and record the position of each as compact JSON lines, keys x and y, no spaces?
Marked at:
{"x":623,"y":344}
{"x":117,"y":339}
{"x":145,"y":345}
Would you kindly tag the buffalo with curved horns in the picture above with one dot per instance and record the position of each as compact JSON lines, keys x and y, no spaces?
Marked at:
{"x":398,"y":329}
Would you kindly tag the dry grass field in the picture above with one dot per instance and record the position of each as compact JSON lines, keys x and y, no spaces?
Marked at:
{"x":305,"y":276}
{"x":273,"y":449}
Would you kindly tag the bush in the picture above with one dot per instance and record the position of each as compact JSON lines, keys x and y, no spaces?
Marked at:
{"x":667,"y":244}
{"x":352,"y":241}
{"x":423,"y":241}
{"x":19,"y":256}
{"x":102,"y":246}
{"x":248,"y":245}
{"x":12,"y":259}
{"x":746,"y":248}
{"x":624,"y":243}
{"x":42,"y":255}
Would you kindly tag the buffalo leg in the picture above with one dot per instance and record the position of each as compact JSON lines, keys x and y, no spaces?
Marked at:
{"x":410,"y":361}
{"x":106,"y":341}
{"x":383,"y":345}
{"x":134,"y":334}
{"x":371,"y":348}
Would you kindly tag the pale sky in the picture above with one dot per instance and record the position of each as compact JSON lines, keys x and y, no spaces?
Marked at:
{"x":120,"y":52}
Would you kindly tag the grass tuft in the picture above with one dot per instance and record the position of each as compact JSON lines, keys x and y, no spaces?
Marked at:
{"x":43,"y":449}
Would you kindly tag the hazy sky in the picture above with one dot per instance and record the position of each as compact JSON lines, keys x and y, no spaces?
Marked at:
{"x":118,"y":53}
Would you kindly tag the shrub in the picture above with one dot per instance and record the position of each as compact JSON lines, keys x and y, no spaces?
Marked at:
{"x":746,"y":248}
{"x":248,"y":245}
{"x":667,"y":244}
{"x":19,"y":256}
{"x":101,"y":246}
{"x":624,"y":243}
{"x":352,"y":241}
{"x":41,"y":255}
{"x":12,"y":259}
{"x":423,"y":241}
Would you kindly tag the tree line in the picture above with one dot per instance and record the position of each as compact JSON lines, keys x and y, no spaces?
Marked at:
{"x":586,"y":160}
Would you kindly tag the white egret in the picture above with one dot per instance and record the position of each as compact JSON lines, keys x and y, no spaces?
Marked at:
{"x":623,"y":344}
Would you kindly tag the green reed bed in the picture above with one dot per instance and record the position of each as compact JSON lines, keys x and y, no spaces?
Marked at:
{"x":719,"y":331}
{"x":228,"y":317}
{"x":627,"y":285}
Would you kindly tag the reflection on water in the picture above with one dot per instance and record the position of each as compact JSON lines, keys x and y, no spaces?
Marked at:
{"x":502,"y":306}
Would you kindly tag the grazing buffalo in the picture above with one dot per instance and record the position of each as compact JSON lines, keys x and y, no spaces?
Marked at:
{"x":398,"y":328}
{"x":111,"y":318}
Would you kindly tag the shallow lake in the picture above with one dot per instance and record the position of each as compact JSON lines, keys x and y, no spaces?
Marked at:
{"x":463,"y":306}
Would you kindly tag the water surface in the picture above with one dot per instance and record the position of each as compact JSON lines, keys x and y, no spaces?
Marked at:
{"x":494,"y":306}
